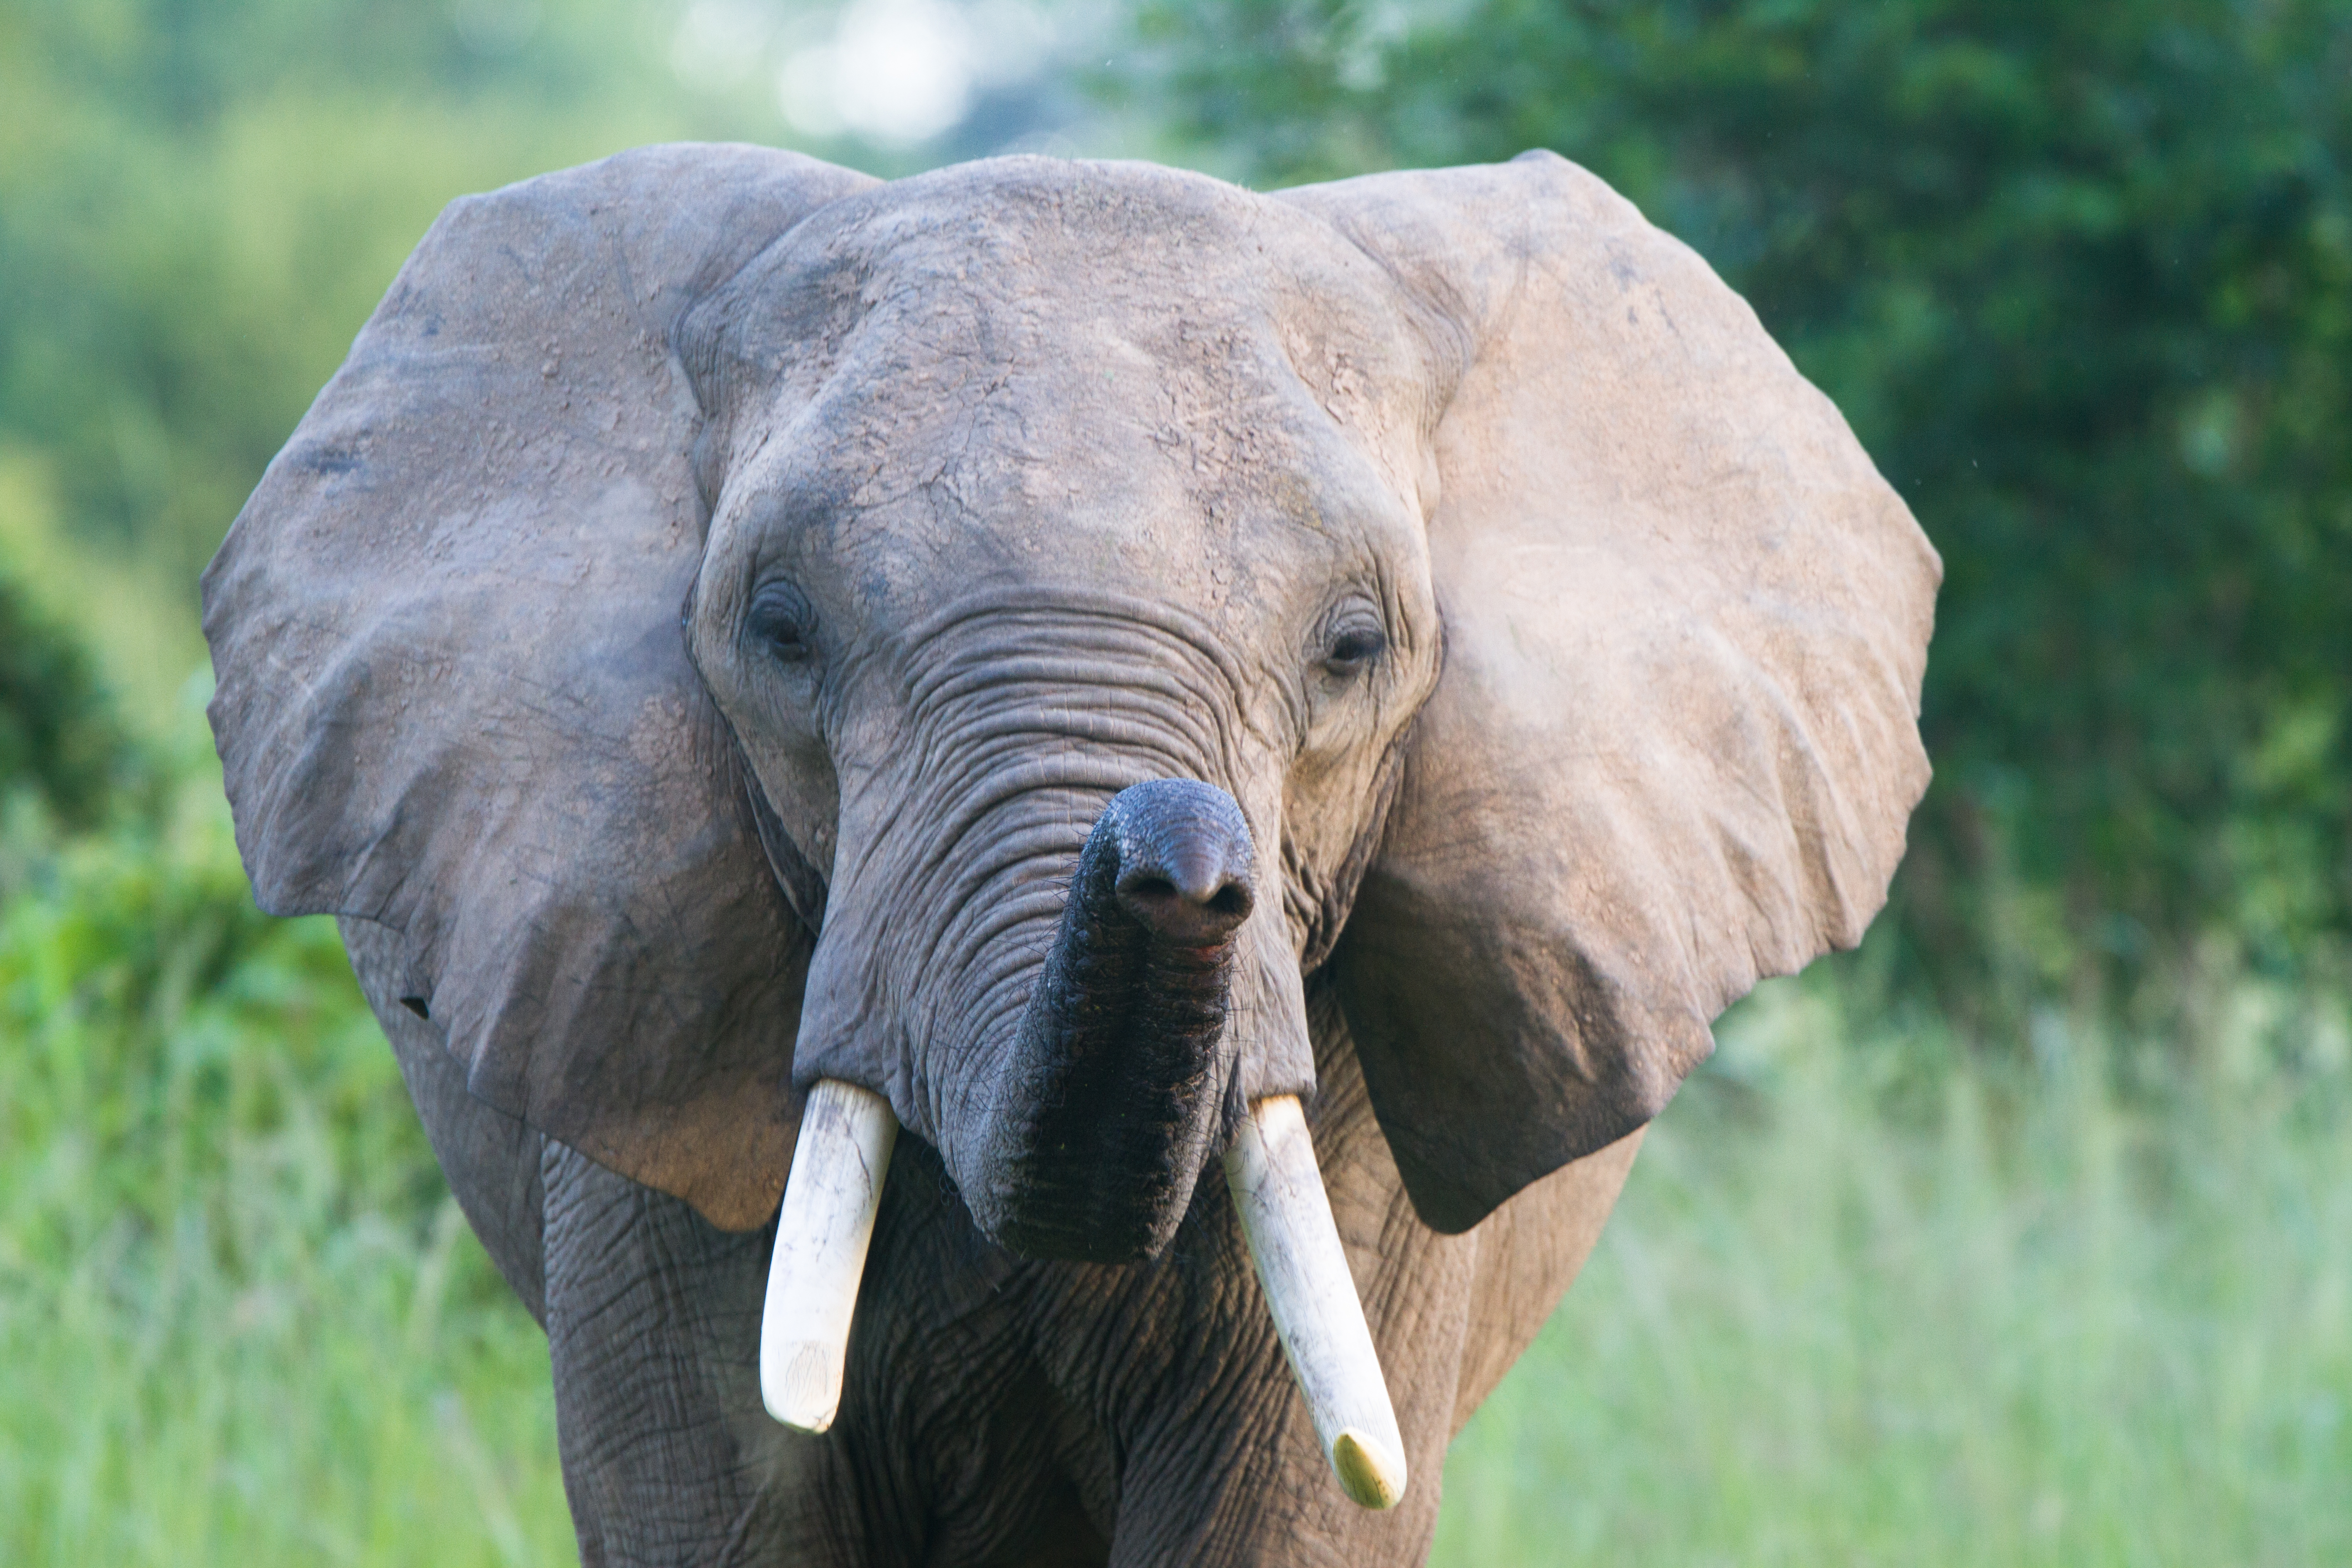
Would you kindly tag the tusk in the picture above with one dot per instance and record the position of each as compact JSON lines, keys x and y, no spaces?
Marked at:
{"x":1286,"y":1219}
{"x":830,"y":1196}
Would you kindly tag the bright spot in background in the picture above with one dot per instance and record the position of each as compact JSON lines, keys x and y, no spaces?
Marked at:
{"x":894,"y":71}
{"x":720,"y":43}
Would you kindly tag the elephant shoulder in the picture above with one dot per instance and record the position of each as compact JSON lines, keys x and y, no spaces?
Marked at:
{"x":491,"y":1159}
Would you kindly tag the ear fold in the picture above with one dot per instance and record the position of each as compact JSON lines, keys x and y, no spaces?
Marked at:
{"x":454,"y":696}
{"x":1674,"y":747}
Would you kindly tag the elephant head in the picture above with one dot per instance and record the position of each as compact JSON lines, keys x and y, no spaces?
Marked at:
{"x":981,"y":641}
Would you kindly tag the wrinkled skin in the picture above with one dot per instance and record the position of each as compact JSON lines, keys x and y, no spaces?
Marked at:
{"x":1076,"y":650}
{"x":1037,"y":536}
{"x":1000,"y":1411}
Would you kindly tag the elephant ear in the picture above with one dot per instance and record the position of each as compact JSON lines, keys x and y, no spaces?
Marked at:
{"x":1674,"y":743}
{"x":454,"y":696}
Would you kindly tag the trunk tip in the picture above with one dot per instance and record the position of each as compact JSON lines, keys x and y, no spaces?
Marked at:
{"x":1369,"y":1472}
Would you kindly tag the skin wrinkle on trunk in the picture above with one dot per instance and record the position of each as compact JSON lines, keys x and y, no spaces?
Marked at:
{"x":1016,"y":724}
{"x":998,"y":669}
{"x":1115,"y":729}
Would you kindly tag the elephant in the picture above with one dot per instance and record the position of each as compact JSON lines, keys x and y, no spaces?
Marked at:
{"x":870,"y":739}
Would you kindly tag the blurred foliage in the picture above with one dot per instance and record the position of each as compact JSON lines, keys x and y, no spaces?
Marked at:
{"x":200,"y":205}
{"x":1872,"y":1296}
{"x":2081,"y":277}
{"x":134,"y":956}
{"x":59,"y":735}
{"x":244,"y":1319}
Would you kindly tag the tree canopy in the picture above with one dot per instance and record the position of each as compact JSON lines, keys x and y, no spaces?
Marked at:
{"x":2081,"y":277}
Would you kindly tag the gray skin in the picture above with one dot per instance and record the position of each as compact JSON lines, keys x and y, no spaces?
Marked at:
{"x":1073,"y":649}
{"x":997,"y":1410}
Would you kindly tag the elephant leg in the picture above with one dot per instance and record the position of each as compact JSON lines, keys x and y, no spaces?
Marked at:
{"x":652,"y":1317}
{"x":653,"y":1328}
{"x":491,"y":1159}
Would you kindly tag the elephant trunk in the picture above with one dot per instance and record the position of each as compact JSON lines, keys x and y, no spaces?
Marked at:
{"x":1110,"y":1102}
{"x":1114,"y":1096}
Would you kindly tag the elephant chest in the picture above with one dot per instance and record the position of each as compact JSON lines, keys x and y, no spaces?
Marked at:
{"x":995,"y":1410}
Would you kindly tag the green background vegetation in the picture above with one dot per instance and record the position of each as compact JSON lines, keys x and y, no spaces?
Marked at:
{"x":2081,"y":277}
{"x":2019,"y":1237}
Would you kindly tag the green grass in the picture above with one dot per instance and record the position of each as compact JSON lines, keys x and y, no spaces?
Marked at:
{"x":1853,"y":1311}
{"x":240,"y":1321}
{"x":1869,"y":1298}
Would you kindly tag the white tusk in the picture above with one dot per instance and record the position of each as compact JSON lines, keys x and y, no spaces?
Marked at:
{"x":830,"y":1198}
{"x":1286,"y":1219}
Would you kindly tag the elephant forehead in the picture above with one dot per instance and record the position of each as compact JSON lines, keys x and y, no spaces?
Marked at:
{"x":1091,"y":302}
{"x":1052,"y":471}
{"x":1044,"y":369}
{"x":1103,"y":414}
{"x":1078,"y":230}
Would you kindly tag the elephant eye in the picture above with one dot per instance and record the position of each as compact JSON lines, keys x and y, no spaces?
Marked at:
{"x":1353,"y":648}
{"x":781,"y":619}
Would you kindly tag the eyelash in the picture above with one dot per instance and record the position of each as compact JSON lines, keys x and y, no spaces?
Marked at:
{"x":781,"y":619}
{"x":1353,"y":649}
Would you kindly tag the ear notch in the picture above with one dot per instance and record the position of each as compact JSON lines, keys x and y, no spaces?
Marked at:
{"x":1675,"y":745}
{"x":454,"y":696}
